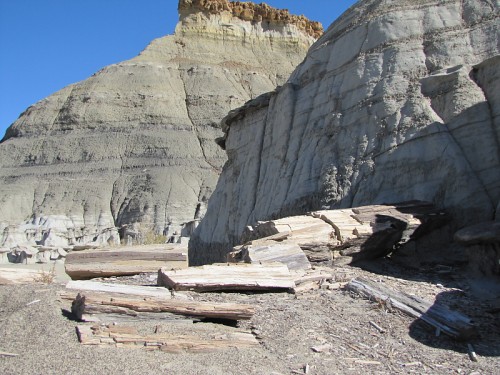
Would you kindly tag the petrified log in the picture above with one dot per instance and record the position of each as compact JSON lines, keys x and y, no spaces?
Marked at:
{"x":367,"y":232}
{"x":122,"y":261}
{"x":450,"y":322}
{"x":285,"y":252}
{"x":314,"y":236}
{"x":371,"y":232}
{"x":109,"y":303}
{"x":228,"y":277}
{"x":129,"y":337}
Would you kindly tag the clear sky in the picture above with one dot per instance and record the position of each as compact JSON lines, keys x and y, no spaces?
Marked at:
{"x":46,"y":45}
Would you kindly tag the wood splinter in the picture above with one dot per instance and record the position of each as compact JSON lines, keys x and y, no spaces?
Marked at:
{"x":377,"y":327}
{"x":472,"y":353}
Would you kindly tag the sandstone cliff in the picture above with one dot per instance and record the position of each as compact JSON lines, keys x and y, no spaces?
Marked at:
{"x":133,"y":146}
{"x":398,"y":100}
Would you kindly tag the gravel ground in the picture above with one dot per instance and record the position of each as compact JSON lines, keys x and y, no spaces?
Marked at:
{"x":288,"y":326}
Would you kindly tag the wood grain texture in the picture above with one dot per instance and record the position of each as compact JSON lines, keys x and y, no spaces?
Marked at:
{"x":227,"y":277}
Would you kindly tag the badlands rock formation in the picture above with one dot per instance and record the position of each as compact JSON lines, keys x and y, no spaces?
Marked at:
{"x":398,"y":100}
{"x":133,"y":146}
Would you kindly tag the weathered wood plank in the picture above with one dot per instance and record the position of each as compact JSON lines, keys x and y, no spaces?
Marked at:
{"x":123,"y":261}
{"x":439,"y":316}
{"x":227,"y":277}
{"x":129,"y":337}
{"x":109,"y":303}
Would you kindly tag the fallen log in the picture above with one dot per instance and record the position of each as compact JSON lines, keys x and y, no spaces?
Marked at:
{"x":270,"y":252}
{"x":124,"y":261}
{"x":129,"y":337}
{"x":136,"y":291}
{"x":450,"y":322}
{"x":229,"y":277}
{"x":90,"y":303}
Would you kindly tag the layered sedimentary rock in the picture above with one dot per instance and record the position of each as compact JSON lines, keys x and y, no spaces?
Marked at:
{"x":398,"y":100}
{"x":133,"y":146}
{"x":258,"y":13}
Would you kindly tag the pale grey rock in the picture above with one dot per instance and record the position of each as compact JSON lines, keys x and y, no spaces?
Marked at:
{"x":398,"y":100}
{"x":57,"y":231}
{"x":133,"y":146}
{"x":4,"y":255}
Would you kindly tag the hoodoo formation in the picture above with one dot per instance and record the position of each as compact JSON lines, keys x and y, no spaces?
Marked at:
{"x":397,"y":101}
{"x":132,"y":148}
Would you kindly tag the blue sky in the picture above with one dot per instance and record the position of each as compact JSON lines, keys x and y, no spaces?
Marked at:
{"x":48,"y":44}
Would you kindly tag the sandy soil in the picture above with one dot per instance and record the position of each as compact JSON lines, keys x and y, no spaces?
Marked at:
{"x":288,"y":326}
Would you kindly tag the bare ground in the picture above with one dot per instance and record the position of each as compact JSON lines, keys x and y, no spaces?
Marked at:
{"x":333,"y":322}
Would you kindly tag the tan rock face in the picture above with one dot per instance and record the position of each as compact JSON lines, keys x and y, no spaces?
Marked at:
{"x":133,"y":145}
{"x":397,"y":101}
{"x":248,"y":11}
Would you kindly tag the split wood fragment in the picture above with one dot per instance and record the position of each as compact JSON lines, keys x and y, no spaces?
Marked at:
{"x":377,"y":327}
{"x":472,"y":353}
{"x":7,"y":354}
